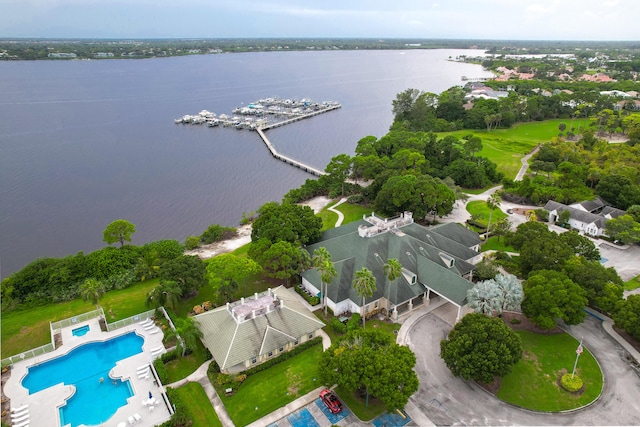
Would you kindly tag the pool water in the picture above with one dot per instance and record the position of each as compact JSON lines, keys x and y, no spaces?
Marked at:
{"x":97,"y":397}
{"x":81,"y":331}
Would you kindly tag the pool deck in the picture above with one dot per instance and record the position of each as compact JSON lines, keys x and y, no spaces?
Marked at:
{"x":43,"y":405}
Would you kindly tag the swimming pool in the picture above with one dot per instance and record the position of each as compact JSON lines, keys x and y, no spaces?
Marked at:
{"x":97,"y":397}
{"x":81,"y":331}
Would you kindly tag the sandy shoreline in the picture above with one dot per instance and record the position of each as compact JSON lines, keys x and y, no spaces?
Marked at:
{"x":244,"y":234}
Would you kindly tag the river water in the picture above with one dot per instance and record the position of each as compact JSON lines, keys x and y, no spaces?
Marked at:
{"x":83,"y":143}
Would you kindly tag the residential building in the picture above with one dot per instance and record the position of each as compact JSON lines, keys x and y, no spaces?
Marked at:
{"x":436,"y":261}
{"x":589,"y":217}
{"x":251,"y":331}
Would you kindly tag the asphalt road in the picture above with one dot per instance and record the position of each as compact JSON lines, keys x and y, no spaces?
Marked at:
{"x":448,"y":400}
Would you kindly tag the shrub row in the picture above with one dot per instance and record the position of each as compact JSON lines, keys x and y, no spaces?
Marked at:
{"x":313,"y":300}
{"x":179,"y":418}
{"x":161,"y":370}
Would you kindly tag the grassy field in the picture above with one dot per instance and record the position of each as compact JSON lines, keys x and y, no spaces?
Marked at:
{"x":533,"y":382}
{"x":480,"y":208}
{"x":506,"y":147}
{"x":492,"y":244}
{"x":632,"y":284}
{"x":351,"y":213}
{"x":198,"y":407}
{"x":266,"y":391}
{"x":183,"y":366}
{"x":29,"y":328}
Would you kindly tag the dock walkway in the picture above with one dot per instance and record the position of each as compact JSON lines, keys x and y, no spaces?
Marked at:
{"x":301,"y":165}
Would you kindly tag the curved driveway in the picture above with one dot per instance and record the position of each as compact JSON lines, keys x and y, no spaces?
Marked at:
{"x":448,"y":400}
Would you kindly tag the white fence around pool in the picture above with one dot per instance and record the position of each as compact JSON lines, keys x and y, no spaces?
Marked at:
{"x":56,"y":327}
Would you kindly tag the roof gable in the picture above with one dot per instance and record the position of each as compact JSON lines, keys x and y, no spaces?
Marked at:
{"x":232,"y":342}
{"x":350,"y":252}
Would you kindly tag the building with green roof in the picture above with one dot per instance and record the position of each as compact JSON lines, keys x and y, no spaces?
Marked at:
{"x":256,"y":329}
{"x":436,"y":261}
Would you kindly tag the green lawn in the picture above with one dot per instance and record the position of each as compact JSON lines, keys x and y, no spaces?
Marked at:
{"x":358,"y":404}
{"x":198,"y":406}
{"x":632,"y":284}
{"x":532,"y":383}
{"x":492,"y":244}
{"x":350,"y":211}
{"x":480,"y":208}
{"x":506,"y":147}
{"x":353,"y":213}
{"x":184,"y":366}
{"x":25,"y":329}
{"x":273,"y":388}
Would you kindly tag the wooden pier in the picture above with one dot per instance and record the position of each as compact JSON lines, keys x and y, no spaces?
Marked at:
{"x":301,"y":117}
{"x":261,"y":124}
{"x":300,"y":165}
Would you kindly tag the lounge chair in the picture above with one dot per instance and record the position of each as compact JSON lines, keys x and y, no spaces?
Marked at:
{"x":22,"y":424}
{"x":20,"y":409}
{"x":143,"y":368}
{"x":146,"y":322}
{"x":19,"y":419}
{"x":131,"y":421}
{"x":149,"y":326}
{"x":137,"y":417}
{"x":143,"y":376}
{"x":154,"y":331}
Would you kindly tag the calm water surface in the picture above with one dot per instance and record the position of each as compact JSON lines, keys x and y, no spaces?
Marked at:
{"x":83,"y":143}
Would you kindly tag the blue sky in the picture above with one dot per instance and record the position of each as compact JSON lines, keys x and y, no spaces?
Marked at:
{"x":462,"y":19}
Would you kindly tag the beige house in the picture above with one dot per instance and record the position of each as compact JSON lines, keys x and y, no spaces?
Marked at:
{"x":253,"y":330}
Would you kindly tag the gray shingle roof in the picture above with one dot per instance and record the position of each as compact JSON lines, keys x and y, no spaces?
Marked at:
{"x":231,"y":342}
{"x":411,"y":245}
{"x":613,"y":212}
{"x":576,"y":214}
{"x":458,"y":233}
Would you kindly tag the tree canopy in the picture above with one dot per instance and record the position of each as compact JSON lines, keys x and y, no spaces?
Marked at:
{"x":481,"y":348}
{"x":551,"y":295}
{"x":287,"y":221}
{"x":119,"y":230}
{"x":372,"y":362}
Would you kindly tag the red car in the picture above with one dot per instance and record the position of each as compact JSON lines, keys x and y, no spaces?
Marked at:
{"x":331,"y":400}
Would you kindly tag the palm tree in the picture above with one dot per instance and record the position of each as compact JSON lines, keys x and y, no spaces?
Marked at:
{"x":92,"y":290}
{"x":485,"y":297}
{"x":511,"y":288}
{"x":393,"y":270}
{"x":165,"y":294}
{"x":365,"y":285}
{"x":186,"y":333}
{"x":322,"y":262}
{"x":493,"y":202}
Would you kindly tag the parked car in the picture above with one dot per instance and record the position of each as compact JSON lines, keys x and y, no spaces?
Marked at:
{"x":509,"y":211}
{"x":331,"y":400}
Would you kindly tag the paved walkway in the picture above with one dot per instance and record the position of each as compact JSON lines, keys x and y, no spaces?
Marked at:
{"x":340,"y":214}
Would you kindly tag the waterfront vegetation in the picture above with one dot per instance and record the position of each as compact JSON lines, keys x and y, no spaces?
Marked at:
{"x":533,"y":381}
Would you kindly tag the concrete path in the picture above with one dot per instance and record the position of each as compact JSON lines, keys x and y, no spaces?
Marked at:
{"x":337,"y":212}
{"x":525,"y":164}
{"x":200,"y":376}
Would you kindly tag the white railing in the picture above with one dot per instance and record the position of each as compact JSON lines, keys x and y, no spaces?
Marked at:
{"x":55,"y":328}
{"x":130,"y":320}
{"x":65,"y":323}
{"x":27,"y":354}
